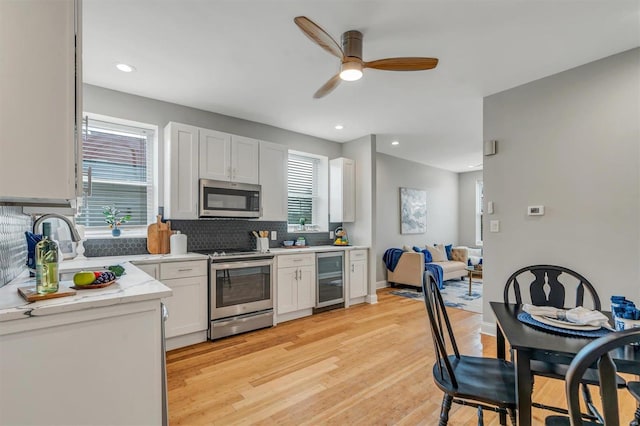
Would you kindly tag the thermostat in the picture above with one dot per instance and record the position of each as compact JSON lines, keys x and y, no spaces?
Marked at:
{"x":535,"y":210}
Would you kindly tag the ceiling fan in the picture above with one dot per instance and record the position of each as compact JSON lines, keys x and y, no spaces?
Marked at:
{"x":350,"y":56}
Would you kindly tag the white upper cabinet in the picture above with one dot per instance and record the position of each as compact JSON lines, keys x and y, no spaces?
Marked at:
{"x":273,"y":179}
{"x":342,"y":190}
{"x":244,"y":159}
{"x":181,"y":143}
{"x":215,"y":155}
{"x":38,"y":99}
{"x":228,"y":157}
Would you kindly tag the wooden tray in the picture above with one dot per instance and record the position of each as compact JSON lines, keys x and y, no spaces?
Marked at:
{"x":91,"y":286}
{"x":30,"y":295}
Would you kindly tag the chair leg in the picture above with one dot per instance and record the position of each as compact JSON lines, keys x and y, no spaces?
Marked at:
{"x":444,"y":411}
{"x":636,"y":418}
{"x":586,"y":395}
{"x":512,"y":416}
{"x":480,"y":417}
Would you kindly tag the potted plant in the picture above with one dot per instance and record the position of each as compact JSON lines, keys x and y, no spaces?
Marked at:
{"x":114,"y":219}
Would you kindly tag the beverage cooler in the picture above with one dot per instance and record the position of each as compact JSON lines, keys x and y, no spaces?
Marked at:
{"x":330,"y":284}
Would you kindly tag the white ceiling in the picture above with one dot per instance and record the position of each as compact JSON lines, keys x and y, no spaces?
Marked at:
{"x":246,"y":58}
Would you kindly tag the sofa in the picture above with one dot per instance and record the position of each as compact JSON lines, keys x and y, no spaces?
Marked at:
{"x":410,"y":267}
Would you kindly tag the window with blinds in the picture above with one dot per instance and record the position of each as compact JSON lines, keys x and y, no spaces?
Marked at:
{"x":121,"y":162}
{"x":302,"y":184}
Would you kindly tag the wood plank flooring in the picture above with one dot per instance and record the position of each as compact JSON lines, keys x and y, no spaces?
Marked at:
{"x":366,"y":365}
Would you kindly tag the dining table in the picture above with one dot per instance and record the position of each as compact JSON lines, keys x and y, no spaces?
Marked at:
{"x":530,"y":343}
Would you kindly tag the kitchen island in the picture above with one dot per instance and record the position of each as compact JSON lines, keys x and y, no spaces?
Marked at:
{"x":92,"y":358}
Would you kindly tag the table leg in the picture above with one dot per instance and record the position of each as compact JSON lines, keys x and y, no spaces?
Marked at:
{"x":470,"y":275}
{"x":523,"y":387}
{"x":501,"y":350}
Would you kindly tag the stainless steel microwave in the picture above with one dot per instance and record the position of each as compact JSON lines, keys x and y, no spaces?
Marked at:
{"x":229,"y":199}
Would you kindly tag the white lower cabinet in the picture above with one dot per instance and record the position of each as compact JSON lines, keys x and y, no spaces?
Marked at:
{"x":296,"y":278}
{"x":357,"y":274}
{"x":188,"y":317}
{"x":94,"y":366}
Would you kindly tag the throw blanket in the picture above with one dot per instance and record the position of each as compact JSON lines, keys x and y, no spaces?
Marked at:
{"x":437,"y":272}
{"x":392,"y":256}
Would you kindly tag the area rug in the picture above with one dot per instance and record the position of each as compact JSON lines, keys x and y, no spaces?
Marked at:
{"x":455,"y":294}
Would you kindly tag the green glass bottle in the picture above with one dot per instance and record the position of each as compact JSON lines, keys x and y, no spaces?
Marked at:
{"x":47,"y":276}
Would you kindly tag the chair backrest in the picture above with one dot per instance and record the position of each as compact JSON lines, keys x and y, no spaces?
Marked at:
{"x":441,"y":330}
{"x":598,"y":352}
{"x":546,"y":288}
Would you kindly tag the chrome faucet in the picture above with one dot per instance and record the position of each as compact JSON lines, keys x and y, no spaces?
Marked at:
{"x":74,"y":233}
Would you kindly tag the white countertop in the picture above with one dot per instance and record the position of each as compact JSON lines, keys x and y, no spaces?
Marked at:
{"x":313,"y":249}
{"x":133,"y":286}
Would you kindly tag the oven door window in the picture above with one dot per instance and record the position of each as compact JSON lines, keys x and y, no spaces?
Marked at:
{"x":242,"y":285}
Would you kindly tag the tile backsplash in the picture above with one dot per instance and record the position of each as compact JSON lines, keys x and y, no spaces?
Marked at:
{"x":207,"y":234}
{"x":13,"y":245}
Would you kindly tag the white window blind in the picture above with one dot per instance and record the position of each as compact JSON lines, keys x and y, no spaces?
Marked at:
{"x":302,"y":183}
{"x":121,"y":162}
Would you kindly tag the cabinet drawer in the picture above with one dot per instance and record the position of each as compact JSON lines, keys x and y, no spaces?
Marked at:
{"x":192,"y":268}
{"x":358,"y":255}
{"x":285,"y":261}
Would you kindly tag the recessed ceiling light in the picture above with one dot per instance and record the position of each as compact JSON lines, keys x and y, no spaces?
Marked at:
{"x":339,"y":127}
{"x":395,"y":143}
{"x":125,"y":68}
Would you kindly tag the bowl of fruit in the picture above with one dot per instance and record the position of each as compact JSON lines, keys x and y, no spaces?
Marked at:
{"x":85,"y":280}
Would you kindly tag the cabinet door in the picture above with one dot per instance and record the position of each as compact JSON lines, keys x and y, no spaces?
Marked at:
{"x":273,"y":179}
{"x":287,"y":290}
{"x":244,"y":159}
{"x":150,"y":269}
{"x":215,"y":155}
{"x":358,"y":278}
{"x":187,"y":306}
{"x":306,"y":287}
{"x":348,"y":191}
{"x":181,"y":172}
{"x":37,"y":101}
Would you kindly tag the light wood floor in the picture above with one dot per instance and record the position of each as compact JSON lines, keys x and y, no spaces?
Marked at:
{"x":366,"y":365}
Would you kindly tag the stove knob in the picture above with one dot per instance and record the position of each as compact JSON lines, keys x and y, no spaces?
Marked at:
{"x":215,"y":254}
{"x":223,"y":254}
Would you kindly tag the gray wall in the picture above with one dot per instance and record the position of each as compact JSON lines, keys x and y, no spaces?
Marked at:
{"x":571,"y":143}
{"x":442,"y":205}
{"x":467,"y":207}
{"x":99,"y":100}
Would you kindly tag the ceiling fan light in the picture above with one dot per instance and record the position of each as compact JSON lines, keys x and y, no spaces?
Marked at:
{"x":351,"y":71}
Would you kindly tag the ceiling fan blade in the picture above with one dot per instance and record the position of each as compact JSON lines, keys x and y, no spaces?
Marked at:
{"x":318,"y":36}
{"x":403,"y":64}
{"x":327,"y":87}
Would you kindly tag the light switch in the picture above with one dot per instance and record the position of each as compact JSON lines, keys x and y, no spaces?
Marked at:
{"x":490,"y":207}
{"x":274,"y":235}
{"x":494,"y":226}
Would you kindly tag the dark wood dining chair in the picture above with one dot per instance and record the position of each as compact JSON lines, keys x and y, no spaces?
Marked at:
{"x":549,"y":287}
{"x":634,"y":390}
{"x":595,"y":353}
{"x":483,"y":383}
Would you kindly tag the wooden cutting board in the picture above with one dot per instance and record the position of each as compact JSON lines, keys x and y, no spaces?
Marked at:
{"x":30,"y":295}
{"x":158,"y":236}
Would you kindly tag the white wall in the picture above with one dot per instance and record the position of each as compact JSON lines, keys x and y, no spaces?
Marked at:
{"x":99,"y":100}
{"x":362,"y":231}
{"x":571,"y":143}
{"x":467,"y":207}
{"x":442,"y":205}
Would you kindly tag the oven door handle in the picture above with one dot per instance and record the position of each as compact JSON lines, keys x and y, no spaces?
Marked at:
{"x":237,"y":265}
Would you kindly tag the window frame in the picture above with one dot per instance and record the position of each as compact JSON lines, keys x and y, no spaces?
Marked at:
{"x":130,"y":231}
{"x":320,"y":200}
{"x":479,"y":230}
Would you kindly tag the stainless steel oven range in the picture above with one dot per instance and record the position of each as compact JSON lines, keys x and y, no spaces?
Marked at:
{"x":240,"y":291}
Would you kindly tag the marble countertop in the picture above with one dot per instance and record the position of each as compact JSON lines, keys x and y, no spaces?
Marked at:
{"x":102,"y":262}
{"x":133,"y":286}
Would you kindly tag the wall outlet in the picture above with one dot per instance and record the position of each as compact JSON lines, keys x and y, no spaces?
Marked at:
{"x":494,"y":226}
{"x":331,"y":235}
{"x":274,"y":235}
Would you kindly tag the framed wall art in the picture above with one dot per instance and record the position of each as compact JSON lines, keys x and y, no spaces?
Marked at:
{"x":413,"y":211}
